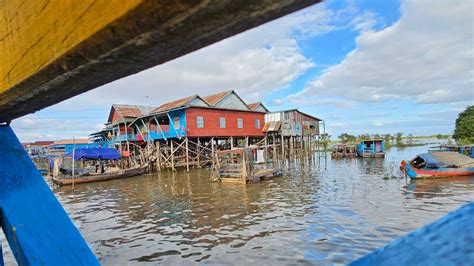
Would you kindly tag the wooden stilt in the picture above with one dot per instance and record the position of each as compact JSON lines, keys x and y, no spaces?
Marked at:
{"x":246,"y":142}
{"x":291,"y":144}
{"x":158,"y":156}
{"x":231,"y":143}
{"x":282,"y":147}
{"x":212,"y":152}
{"x":172,"y":156}
{"x":187,"y":155}
{"x":198,"y":151}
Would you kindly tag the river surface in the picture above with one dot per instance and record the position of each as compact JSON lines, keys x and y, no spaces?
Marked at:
{"x":322,"y":212}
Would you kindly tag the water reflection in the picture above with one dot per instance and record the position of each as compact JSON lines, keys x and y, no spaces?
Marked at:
{"x":324,"y":211}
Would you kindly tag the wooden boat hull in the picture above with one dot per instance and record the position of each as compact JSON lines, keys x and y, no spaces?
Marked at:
{"x":89,"y":179}
{"x":415,"y":173}
{"x":372,"y":155}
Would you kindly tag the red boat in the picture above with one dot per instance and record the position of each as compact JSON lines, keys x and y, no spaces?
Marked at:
{"x":438,"y":164}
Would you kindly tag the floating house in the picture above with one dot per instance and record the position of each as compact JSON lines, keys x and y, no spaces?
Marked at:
{"x":371,"y":148}
{"x":37,"y":147}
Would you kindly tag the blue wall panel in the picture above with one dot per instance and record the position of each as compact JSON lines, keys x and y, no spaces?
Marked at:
{"x":36,"y":226}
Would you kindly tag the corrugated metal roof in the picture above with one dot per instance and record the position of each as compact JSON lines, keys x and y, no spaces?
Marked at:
{"x":133,"y":111}
{"x":272,"y":126}
{"x":254,"y":106}
{"x":174,"y":104}
{"x":71,"y":141}
{"x":213,"y":99}
{"x":296,"y":110}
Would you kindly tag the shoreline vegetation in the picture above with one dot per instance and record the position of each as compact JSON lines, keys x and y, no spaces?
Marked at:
{"x":391,"y":140}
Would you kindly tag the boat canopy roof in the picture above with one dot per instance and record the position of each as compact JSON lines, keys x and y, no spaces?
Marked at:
{"x":446,"y":159}
{"x":95,"y":153}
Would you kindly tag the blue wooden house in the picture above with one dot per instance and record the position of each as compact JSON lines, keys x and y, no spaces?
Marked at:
{"x":371,"y":148}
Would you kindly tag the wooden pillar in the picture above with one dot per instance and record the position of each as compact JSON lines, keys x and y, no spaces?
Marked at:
{"x":198,"y":152}
{"x":282,"y":147}
{"x":231,"y":143}
{"x":172,"y":156}
{"x":266,"y":148}
{"x":246,"y":142}
{"x":274,"y":148}
{"x":212,"y":152}
{"x":158,"y":156}
{"x":291,"y":140}
{"x":187,"y":155}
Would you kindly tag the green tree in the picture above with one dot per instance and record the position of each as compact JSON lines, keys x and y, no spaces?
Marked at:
{"x":344,"y":137}
{"x":464,"y":130}
{"x":410,"y":138}
{"x":387,"y":138}
{"x":398,"y":138}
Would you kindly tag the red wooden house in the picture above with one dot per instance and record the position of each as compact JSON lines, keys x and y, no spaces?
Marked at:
{"x":223,"y":114}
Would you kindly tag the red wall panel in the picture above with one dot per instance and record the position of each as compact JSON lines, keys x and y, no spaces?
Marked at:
{"x":212,"y":126}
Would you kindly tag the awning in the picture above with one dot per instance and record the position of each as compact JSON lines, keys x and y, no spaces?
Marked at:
{"x":95,"y":153}
{"x":273,"y":126}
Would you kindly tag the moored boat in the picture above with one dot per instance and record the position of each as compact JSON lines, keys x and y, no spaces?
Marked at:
{"x":65,"y":181}
{"x":438,"y":164}
{"x":93,"y":165}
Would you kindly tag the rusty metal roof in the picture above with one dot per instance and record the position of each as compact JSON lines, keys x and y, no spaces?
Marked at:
{"x":273,"y":126}
{"x":125,"y":110}
{"x":254,"y":106}
{"x":174,"y":104}
{"x":213,"y":99}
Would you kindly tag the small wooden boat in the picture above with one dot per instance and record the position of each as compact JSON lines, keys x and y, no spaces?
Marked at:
{"x":68,"y":180}
{"x":438,"y":164}
{"x":93,"y":165}
{"x":343,"y":151}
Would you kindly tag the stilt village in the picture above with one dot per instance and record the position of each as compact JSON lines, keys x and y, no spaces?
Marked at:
{"x":193,"y":131}
{"x":238,"y":141}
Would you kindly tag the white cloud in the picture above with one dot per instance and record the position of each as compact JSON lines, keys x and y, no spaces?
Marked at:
{"x":276,"y":102}
{"x":31,"y":127}
{"x":427,"y":55}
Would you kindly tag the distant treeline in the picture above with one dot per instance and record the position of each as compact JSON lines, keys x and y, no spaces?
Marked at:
{"x":390,"y":139}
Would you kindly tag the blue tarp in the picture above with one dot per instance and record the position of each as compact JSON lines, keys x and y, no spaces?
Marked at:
{"x":95,"y":153}
{"x":431,"y":162}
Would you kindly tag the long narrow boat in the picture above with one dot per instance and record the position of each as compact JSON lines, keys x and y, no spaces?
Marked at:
{"x":62,"y":181}
{"x":438,"y":164}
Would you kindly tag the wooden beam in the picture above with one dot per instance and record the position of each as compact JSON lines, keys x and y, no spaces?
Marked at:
{"x":52,"y":50}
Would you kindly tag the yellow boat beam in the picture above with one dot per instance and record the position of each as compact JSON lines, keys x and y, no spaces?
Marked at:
{"x":51,"y":50}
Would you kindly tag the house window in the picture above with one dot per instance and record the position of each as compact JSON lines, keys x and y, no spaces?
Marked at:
{"x":257,"y":123}
{"x":240,"y":123}
{"x":222,"y":122}
{"x":200,"y":122}
{"x":176,"y":122}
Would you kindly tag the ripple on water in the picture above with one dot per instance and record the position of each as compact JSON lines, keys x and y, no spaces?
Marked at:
{"x":325,"y":212}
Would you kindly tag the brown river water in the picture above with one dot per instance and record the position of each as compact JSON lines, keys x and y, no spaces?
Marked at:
{"x":322,"y":212}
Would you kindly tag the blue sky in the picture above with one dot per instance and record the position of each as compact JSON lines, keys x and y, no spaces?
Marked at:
{"x":362,"y":66}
